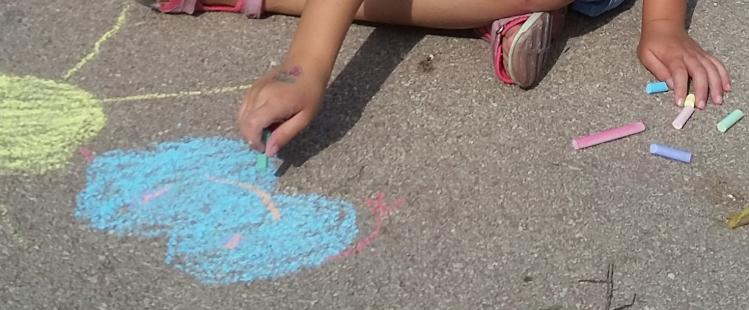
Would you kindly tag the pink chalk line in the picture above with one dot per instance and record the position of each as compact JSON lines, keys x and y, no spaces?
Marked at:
{"x":87,"y":154}
{"x":233,"y":242}
{"x":380,"y":209}
{"x":147,"y":197}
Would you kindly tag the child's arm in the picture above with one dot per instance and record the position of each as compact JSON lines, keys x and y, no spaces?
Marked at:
{"x":290,"y":95}
{"x":672,"y":56}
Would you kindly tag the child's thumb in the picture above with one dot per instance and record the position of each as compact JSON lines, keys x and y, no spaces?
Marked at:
{"x":657,"y":67}
{"x":285,"y":132}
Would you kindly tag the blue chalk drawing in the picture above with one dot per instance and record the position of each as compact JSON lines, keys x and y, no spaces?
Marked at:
{"x":221,"y":217}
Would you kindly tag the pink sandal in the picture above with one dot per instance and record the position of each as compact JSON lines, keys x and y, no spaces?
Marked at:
{"x":529,"y":49}
{"x":250,"y":8}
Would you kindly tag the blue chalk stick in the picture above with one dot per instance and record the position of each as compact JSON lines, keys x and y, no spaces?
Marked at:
{"x":656,"y":87}
{"x":670,"y":153}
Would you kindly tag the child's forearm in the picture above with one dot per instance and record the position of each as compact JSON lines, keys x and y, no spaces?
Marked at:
{"x":663,"y":13}
{"x":319,"y":36}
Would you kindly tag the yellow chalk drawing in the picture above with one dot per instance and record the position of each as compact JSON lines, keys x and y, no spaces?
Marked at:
{"x":8,"y":228}
{"x":43,"y":121}
{"x":97,"y":46}
{"x":176,"y":95}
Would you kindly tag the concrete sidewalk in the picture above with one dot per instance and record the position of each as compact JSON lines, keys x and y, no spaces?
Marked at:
{"x":500,"y":212}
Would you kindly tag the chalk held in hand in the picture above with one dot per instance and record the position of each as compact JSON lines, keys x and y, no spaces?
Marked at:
{"x":689,"y":102}
{"x":683,"y":117}
{"x":730,"y":120}
{"x":656,"y":87}
{"x":608,"y":135}
{"x":670,"y":153}
{"x":261,"y":161}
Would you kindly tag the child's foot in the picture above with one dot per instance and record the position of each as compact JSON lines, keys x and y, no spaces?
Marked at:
{"x":520,"y":48}
{"x":521,"y":44}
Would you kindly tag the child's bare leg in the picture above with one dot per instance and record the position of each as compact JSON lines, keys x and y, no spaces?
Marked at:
{"x":213,"y":2}
{"x":444,"y":14}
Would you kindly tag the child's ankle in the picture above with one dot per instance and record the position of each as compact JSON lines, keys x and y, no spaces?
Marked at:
{"x":290,"y":7}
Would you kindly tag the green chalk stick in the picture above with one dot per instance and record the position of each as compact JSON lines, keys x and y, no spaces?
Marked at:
{"x":729,"y":120}
{"x":261,"y":161}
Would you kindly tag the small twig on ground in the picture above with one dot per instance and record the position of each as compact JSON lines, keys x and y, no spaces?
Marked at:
{"x":632,"y":303}
{"x":610,"y":289}
{"x":591,"y":281}
{"x":610,"y":286}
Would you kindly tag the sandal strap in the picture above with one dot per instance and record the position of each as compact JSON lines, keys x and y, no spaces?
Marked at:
{"x":178,"y":6}
{"x":250,"y":8}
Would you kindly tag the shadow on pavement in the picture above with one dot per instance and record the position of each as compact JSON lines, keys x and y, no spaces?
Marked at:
{"x":352,"y":89}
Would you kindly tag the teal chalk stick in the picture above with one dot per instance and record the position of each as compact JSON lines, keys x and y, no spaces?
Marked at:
{"x":261,"y":161}
{"x":730,"y":120}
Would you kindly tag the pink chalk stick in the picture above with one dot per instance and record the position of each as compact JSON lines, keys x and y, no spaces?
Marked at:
{"x":608,"y":135}
{"x":683,"y":117}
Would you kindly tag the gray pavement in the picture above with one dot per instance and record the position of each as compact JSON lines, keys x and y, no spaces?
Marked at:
{"x":501,"y":212}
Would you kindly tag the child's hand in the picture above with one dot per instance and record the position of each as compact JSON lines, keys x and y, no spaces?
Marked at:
{"x":672,"y":56}
{"x":286,"y":97}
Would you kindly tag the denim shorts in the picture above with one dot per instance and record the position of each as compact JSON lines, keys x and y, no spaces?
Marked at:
{"x":595,"y":7}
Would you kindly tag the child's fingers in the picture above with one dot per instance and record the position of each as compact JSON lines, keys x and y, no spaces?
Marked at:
{"x":714,"y":81}
{"x":287,"y":131}
{"x":699,"y":80}
{"x":248,"y":129}
{"x":656,"y":67}
{"x":263,"y":117}
{"x":724,"y":75}
{"x":259,"y":118}
{"x":680,"y":78}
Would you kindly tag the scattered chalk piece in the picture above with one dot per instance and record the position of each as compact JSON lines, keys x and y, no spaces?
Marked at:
{"x":739,"y":219}
{"x":670,"y":153}
{"x":608,"y":135}
{"x":656,"y":87}
{"x":689,"y":101}
{"x":730,"y":120}
{"x":683,"y":117}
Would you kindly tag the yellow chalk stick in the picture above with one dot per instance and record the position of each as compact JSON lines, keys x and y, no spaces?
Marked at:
{"x":740,"y":219}
{"x":689,"y":102}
